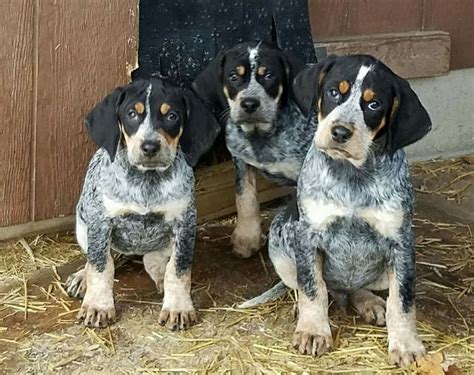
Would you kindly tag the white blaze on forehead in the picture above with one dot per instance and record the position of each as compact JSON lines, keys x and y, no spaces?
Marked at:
{"x":253,"y":58}
{"x":145,"y":127}
{"x":364,"y":69}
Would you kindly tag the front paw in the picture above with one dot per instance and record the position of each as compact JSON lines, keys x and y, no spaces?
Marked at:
{"x":97,"y":312}
{"x":247,"y":239}
{"x":405,"y":349}
{"x":312,"y":343}
{"x":177,"y":320}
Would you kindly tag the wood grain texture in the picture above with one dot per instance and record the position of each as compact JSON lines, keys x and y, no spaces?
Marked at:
{"x":410,"y":55}
{"x":86,"y":49}
{"x":17,"y":20}
{"x":215,"y":197}
{"x":386,"y":16}
{"x":455,"y":17}
{"x":328,"y":18}
{"x":215,"y":192}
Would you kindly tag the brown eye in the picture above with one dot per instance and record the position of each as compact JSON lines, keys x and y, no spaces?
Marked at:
{"x":172,"y":116}
{"x":132,"y":114}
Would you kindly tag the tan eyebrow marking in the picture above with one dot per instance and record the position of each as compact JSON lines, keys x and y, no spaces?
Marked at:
{"x":344,"y":87}
{"x":368,"y":95}
{"x":165,"y":108}
{"x":139,"y":107}
{"x":261,"y":70}
{"x":172,"y":141}
{"x":240,"y":70}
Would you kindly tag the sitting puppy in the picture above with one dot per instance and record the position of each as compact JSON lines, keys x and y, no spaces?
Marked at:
{"x":350,"y":229}
{"x":138,"y":196}
{"x":250,"y":86}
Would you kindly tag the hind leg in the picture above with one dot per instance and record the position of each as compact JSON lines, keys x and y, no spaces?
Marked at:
{"x":370,"y":306}
{"x":76,"y":283}
{"x":155,"y":265}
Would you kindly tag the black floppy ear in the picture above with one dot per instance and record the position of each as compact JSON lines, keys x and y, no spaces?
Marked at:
{"x":307,"y":83}
{"x":409,"y":120}
{"x":208,"y":84}
{"x":199,"y":131}
{"x":102,"y":122}
{"x":292,"y":66}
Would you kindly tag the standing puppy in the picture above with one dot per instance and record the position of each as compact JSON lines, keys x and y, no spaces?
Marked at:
{"x":350,"y":229}
{"x":249,"y":86}
{"x":138,"y":196}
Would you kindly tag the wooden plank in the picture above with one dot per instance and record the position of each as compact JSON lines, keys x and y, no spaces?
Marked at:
{"x":382,"y":17}
{"x":215,"y":194}
{"x":327,"y":18}
{"x":86,"y":48}
{"x":410,"y":55}
{"x":17,"y":19}
{"x":214,"y":198}
{"x":34,"y":228}
{"x":455,"y":17}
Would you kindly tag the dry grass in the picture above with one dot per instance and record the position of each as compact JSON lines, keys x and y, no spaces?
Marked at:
{"x":21,"y":258}
{"x":228,"y":340}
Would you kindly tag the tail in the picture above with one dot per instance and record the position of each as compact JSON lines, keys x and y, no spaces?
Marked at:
{"x":270,"y":295}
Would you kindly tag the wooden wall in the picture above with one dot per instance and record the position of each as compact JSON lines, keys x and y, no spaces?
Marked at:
{"x":335,"y":18}
{"x":58,"y":58}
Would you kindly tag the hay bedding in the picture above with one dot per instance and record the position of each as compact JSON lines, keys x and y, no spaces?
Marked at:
{"x":38,"y":333}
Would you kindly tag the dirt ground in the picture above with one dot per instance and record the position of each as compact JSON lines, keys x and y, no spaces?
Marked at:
{"x":38,"y":332}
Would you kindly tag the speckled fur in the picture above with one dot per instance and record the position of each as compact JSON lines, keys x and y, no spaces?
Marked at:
{"x":278,"y":153}
{"x":134,"y":233}
{"x":355,"y":254}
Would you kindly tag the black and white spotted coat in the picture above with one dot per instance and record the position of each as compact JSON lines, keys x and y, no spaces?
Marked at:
{"x":134,"y":211}
{"x":278,"y":152}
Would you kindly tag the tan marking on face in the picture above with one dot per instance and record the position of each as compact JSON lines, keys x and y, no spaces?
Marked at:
{"x":378,"y":128}
{"x":139,"y":107}
{"x":280,"y":92}
{"x":344,"y":87}
{"x":261,"y":70}
{"x":240,"y":70}
{"x":394,"y":110}
{"x":165,"y":108}
{"x":172,"y":141}
{"x":321,"y":77}
{"x":368,"y":95}
{"x":320,"y":100}
{"x":226,"y":92}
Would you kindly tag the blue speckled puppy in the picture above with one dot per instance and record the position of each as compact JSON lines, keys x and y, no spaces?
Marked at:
{"x":350,"y":229}
{"x":138,"y":196}
{"x":249,"y":86}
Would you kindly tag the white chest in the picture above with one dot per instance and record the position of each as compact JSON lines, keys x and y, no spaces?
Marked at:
{"x":386,"y":221}
{"x":171,"y":209}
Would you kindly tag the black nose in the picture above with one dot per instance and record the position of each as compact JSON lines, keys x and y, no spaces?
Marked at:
{"x":150,"y":148}
{"x":250,"y":105}
{"x":341,"y":134}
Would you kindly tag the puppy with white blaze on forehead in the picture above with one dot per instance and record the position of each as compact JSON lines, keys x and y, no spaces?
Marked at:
{"x":350,"y":229}
{"x":138,"y":196}
{"x":249,"y":87}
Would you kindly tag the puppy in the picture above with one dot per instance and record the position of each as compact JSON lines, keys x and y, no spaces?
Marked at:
{"x":138,"y":196}
{"x":349,"y":230}
{"x":249,"y":87}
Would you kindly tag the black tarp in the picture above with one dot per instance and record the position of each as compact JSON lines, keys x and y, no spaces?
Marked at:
{"x":177,"y":38}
